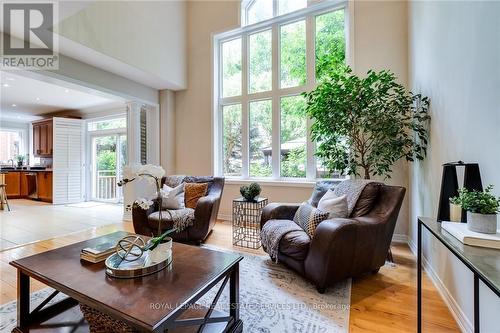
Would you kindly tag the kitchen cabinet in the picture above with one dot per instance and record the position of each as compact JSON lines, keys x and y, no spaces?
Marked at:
{"x":13,"y":182}
{"x":45,"y":186}
{"x":24,"y":184}
{"x":43,"y":138}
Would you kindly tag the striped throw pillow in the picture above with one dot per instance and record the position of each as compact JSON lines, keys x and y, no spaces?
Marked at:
{"x":308,"y":218}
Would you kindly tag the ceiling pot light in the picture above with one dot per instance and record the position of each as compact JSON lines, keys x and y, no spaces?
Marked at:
{"x":66,"y":90}
{"x":14,"y":105}
{"x":6,"y":85}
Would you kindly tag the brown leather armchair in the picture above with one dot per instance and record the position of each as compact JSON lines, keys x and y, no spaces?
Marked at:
{"x":341,"y":247}
{"x":207,"y":208}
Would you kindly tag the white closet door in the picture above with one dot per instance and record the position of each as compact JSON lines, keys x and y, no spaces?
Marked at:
{"x":68,"y":164}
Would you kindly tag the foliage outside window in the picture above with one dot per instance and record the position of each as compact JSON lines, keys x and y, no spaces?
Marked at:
{"x":262,"y":74}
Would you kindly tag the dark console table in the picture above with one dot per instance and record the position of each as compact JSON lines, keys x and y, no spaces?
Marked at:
{"x":483,"y":262}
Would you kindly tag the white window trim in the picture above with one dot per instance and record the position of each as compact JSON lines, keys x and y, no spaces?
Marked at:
{"x":314,"y":8}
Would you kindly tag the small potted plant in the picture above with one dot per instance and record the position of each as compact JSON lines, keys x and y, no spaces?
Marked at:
{"x":250,"y":192}
{"x":20,"y":160}
{"x":482,"y":209}
{"x":455,"y":209}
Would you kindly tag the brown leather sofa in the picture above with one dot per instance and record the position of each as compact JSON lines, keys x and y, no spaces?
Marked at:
{"x":207,"y":208}
{"x":341,"y":247}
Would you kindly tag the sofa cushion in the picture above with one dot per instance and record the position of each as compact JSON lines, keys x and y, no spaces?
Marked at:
{"x":167,"y":219}
{"x":308,"y":217}
{"x":366,"y":200}
{"x":319,"y":190}
{"x":295,"y":244}
{"x":193,"y":192}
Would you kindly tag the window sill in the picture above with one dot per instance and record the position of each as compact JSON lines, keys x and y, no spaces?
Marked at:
{"x":277,"y":183}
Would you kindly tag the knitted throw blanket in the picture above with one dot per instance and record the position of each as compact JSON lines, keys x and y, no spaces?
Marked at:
{"x":352,"y":188}
{"x":272,"y":233}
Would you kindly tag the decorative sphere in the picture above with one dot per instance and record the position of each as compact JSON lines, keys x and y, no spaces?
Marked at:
{"x":130,"y":248}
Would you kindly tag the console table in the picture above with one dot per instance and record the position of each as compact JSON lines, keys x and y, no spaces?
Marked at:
{"x":483,"y":262}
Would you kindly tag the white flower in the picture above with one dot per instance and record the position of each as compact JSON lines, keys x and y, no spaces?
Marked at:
{"x":131,"y":171}
{"x":144,"y":203}
{"x":153,"y":170}
{"x":134,"y":170}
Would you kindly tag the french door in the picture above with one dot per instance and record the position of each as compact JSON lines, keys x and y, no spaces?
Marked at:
{"x":108,"y":157}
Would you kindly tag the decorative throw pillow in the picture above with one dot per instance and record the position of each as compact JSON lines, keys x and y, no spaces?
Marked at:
{"x":332,"y":204}
{"x":308,"y":217}
{"x":193,"y":192}
{"x":319,"y":190}
{"x":172,"y":197}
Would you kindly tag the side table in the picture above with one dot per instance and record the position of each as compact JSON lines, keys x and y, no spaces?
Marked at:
{"x":246,"y":222}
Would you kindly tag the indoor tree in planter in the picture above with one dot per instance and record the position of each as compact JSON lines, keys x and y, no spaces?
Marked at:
{"x":363,"y":125}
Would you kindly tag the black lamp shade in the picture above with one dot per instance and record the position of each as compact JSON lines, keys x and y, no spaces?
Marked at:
{"x":449,"y":186}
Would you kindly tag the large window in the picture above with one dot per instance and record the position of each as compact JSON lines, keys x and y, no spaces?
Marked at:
{"x":262,"y":130}
{"x":11,"y":145}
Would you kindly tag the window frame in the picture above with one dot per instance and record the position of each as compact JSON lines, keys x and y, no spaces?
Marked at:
{"x":309,"y":15}
{"x":23,"y":138}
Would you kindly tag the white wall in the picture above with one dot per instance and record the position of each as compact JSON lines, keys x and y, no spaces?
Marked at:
{"x":148,"y":35}
{"x":455,"y":60}
{"x":380,"y":37}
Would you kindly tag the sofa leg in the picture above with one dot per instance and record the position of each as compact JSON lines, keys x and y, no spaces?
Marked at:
{"x":321,"y":290}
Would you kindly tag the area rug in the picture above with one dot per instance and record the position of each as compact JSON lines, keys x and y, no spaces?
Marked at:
{"x":273,"y":299}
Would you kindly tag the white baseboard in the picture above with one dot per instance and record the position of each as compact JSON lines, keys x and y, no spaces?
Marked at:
{"x":457,"y":313}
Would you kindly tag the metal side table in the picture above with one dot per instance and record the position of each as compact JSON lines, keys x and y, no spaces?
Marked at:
{"x":246,"y":222}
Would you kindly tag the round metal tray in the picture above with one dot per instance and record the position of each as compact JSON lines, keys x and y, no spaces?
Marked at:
{"x":133,"y":269}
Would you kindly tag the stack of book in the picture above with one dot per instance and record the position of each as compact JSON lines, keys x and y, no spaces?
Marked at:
{"x":468,"y":237}
{"x":98,"y":253}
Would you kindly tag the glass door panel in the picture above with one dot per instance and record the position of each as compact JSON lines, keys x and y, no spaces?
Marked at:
{"x":106,"y":165}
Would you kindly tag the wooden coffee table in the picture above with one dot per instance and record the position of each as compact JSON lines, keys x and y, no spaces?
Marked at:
{"x":156,"y":303}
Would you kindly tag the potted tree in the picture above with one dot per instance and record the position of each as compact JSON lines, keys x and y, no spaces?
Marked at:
{"x":482,"y":209}
{"x":363,"y":125}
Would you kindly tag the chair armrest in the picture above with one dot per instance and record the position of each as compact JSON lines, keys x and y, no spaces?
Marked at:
{"x":278,"y":211}
{"x":343,"y":248}
{"x":140,"y":219}
{"x":331,"y":253}
{"x":204,"y":207}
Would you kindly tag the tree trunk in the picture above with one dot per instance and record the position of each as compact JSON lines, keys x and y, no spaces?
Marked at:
{"x":367,"y":173}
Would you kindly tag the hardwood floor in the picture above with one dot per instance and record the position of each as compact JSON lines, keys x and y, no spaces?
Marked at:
{"x":30,"y":221}
{"x":385,"y":302}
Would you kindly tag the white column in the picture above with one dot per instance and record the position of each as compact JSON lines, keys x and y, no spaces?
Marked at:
{"x":133,"y":153}
{"x":133,"y":132}
{"x":167,"y":131}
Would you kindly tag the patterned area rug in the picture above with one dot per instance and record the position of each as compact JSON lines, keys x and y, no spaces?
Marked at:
{"x":273,"y":299}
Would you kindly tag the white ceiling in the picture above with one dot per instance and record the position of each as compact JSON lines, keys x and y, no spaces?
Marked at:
{"x":24,"y":98}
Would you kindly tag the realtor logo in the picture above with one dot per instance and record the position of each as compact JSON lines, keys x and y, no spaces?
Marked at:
{"x":28,"y":41}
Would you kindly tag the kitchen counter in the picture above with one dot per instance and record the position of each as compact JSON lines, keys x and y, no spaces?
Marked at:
{"x":6,"y":170}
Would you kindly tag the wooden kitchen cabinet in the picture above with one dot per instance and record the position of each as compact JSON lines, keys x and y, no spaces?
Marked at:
{"x":45,"y":186}
{"x":43,"y":138}
{"x":24,"y":184}
{"x":13,"y":182}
